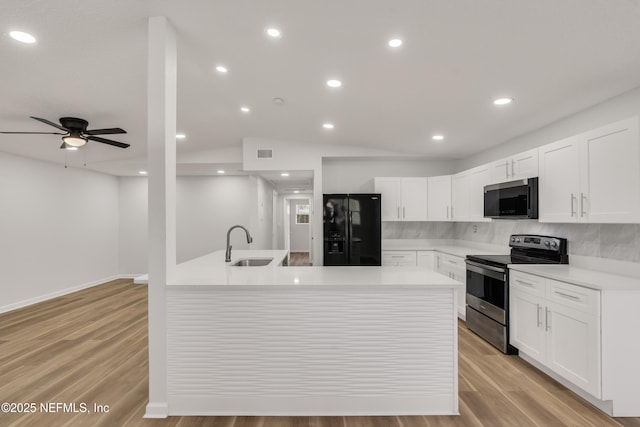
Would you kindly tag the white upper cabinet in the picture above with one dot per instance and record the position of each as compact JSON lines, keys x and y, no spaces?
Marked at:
{"x":403,"y":199}
{"x":559,"y":182}
{"x":439,"y":198}
{"x":610,"y":173}
{"x":520,"y":166}
{"x":478,"y":178}
{"x":460,"y":196}
{"x":414,"y":199}
{"x":389,"y":189}
{"x":588,"y":177}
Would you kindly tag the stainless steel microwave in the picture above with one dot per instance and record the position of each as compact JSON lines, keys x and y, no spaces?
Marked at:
{"x":512,"y":200}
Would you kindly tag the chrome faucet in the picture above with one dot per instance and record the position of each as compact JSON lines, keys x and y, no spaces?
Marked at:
{"x":227,"y":257}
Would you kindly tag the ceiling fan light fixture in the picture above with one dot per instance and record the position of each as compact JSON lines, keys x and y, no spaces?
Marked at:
{"x":74,"y":140}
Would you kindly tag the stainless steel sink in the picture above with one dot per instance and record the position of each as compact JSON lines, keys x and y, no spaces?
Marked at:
{"x":252,"y":262}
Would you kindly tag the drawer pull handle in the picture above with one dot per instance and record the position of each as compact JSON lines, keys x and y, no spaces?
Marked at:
{"x":525,"y":283}
{"x":562,"y":294}
{"x":546,"y":319}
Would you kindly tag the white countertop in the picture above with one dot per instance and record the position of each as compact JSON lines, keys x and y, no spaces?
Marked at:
{"x":581,"y":276}
{"x":211,"y":270}
{"x":459,"y":248}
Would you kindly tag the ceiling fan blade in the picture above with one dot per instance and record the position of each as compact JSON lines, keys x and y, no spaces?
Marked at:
{"x":108,"y":141}
{"x":109,"y":131}
{"x":35,"y":133}
{"x":55,"y":125}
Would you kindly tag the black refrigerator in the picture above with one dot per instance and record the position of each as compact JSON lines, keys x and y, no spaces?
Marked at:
{"x":352,"y":229}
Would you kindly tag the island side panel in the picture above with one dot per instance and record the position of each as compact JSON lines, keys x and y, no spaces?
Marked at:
{"x":312,"y":350}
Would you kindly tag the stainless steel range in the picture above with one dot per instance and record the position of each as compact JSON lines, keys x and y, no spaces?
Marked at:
{"x":488,"y":284}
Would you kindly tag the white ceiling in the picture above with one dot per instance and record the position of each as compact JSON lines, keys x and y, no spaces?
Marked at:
{"x":555,"y":57}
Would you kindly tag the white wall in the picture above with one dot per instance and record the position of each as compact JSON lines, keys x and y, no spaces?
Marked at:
{"x":299,"y":233}
{"x":261,"y":213}
{"x":134,"y":228}
{"x":58,"y":230}
{"x":356,"y":175}
{"x":207,"y":206}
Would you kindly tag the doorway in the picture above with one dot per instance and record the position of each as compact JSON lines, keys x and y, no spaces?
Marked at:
{"x":297,"y":229}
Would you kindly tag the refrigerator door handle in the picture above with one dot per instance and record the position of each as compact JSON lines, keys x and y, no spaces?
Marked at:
{"x":349,"y":230}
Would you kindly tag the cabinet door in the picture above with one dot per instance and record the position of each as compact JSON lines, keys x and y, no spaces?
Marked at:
{"x":414,"y":199}
{"x":425,"y":259}
{"x":526,"y":322}
{"x":454,"y":267}
{"x":389,"y":188}
{"x":610,"y":169}
{"x":500,"y":170}
{"x":460,"y":196}
{"x":573,"y":346}
{"x":439,"y":198}
{"x":559,"y":184}
{"x":524,"y":165}
{"x":478,"y":178}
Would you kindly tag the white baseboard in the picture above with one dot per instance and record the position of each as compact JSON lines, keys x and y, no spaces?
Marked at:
{"x":157,"y":410}
{"x":40,"y":298}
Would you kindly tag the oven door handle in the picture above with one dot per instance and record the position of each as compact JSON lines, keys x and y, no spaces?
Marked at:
{"x":487,"y":270}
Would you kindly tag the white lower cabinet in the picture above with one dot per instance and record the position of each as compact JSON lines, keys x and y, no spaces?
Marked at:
{"x":558,"y":325}
{"x":454,"y":267}
{"x":399,"y":258}
{"x":425,"y":259}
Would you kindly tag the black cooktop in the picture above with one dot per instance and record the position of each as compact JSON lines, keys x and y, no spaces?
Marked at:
{"x":504,"y":260}
{"x":528,"y":249}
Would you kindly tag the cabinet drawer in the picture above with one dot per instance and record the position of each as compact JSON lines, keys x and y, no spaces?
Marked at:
{"x":582,"y":299}
{"x":451,"y":262}
{"x":529,"y":283}
{"x":399,"y":258}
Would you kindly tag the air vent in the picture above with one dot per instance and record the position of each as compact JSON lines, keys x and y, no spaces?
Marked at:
{"x":265,"y":153}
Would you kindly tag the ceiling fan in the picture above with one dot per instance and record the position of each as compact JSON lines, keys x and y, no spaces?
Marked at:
{"x":76,"y":133}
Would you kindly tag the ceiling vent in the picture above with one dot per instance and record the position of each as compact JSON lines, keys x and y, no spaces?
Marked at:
{"x":265,"y":153}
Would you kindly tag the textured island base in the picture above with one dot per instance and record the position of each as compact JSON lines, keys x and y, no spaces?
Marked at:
{"x":312,"y":350}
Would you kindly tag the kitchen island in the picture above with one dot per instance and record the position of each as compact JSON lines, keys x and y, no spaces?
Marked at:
{"x":275,"y":340}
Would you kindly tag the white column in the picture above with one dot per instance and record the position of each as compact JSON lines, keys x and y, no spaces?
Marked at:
{"x":161,"y":122}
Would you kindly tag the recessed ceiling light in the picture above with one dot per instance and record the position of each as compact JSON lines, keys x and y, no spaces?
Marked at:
{"x":334,"y":83}
{"x":296,"y":191}
{"x":395,"y":42}
{"x":284,"y":174}
{"x":181,"y":136}
{"x":502,"y":101}
{"x":245,"y":109}
{"x":328,"y":125}
{"x":220,"y":171}
{"x":22,"y":37}
{"x":437,"y":137}
{"x":142,"y":172}
{"x":221,"y":69}
{"x":273,"y":32}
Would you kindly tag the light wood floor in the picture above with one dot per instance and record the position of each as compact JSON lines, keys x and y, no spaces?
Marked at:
{"x":299,"y":259}
{"x":91,"y":347}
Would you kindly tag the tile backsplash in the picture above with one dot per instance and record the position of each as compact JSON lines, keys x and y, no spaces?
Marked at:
{"x":613,"y":241}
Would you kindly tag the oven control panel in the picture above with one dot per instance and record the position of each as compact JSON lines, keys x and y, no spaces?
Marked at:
{"x":556,"y":244}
